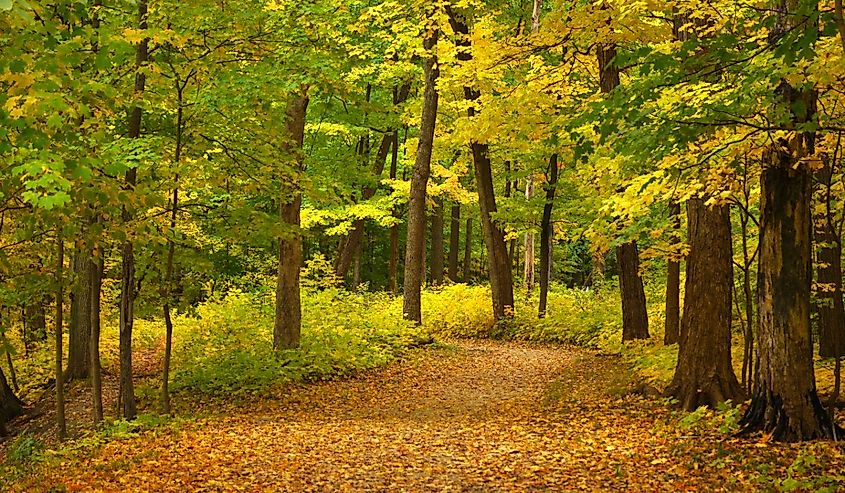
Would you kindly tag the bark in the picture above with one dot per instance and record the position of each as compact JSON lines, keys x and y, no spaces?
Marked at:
{"x":704,"y":374}
{"x":437,"y":243}
{"x":501,"y":278}
{"x":785,"y":402}
{"x":79,"y":338}
{"x":36,"y":320}
{"x":634,"y":312}
{"x":288,"y":321}
{"x":95,"y":283}
{"x":467,"y":250}
{"x":830,"y":308}
{"x":10,"y":405}
{"x":528,"y":271}
{"x":673,"y":284}
{"x":57,"y":368}
{"x":415,"y":244}
{"x":547,"y":232}
{"x":454,"y":242}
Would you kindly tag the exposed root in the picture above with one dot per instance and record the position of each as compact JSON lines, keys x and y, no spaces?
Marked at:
{"x":767,"y":414}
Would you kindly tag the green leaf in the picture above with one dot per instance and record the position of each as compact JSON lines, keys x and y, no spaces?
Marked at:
{"x":5,"y":4}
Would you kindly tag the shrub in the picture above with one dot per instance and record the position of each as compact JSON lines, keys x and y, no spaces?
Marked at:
{"x":227,"y":347}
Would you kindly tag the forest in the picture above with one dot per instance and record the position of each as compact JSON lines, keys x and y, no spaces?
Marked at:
{"x":431,"y":245}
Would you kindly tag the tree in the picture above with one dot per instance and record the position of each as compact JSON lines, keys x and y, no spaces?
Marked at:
{"x":10,"y":405}
{"x":454,"y":241}
{"x":437,"y":243}
{"x":547,"y":235}
{"x":634,"y":310}
{"x":672,"y":332}
{"x":704,"y":374}
{"x":415,"y":244}
{"x":828,"y":240}
{"x":501,"y":279}
{"x":288,"y":321}
{"x":785,"y":402}
{"x":78,"y":361}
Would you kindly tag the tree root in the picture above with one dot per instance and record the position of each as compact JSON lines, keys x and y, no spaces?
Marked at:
{"x":767,"y":414}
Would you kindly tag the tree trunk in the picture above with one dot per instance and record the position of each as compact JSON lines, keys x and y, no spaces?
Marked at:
{"x":356,"y":265}
{"x":78,"y":360}
{"x":528,"y":271}
{"x":415,"y":244}
{"x":785,"y":402}
{"x":501,"y":278}
{"x":288,"y":322}
{"x":830,"y":307}
{"x":454,"y":242}
{"x":704,"y":374}
{"x":673,"y":282}
{"x":634,"y":311}
{"x":167,"y":288}
{"x":36,"y":320}
{"x":127,"y":291}
{"x":437,"y":243}
{"x":57,"y":368}
{"x":96,"y":282}
{"x":546,"y":229}
{"x":10,"y":406}
{"x":393,"y":263}
{"x":467,"y":251}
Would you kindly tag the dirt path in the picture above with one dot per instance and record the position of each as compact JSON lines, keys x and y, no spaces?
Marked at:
{"x":484,"y":417}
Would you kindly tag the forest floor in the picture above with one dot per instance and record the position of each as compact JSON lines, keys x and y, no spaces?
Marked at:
{"x":474,"y":416}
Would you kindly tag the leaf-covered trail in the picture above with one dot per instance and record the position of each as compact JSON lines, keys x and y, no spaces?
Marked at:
{"x":489,"y":416}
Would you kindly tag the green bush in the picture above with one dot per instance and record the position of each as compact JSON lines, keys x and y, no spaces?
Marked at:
{"x":227,"y":347}
{"x":25,"y":448}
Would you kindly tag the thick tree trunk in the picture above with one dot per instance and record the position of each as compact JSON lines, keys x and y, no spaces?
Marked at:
{"x":78,"y":360}
{"x":437,"y":243}
{"x":415,"y":244}
{"x":501,"y":278}
{"x":288,"y":322}
{"x":467,"y":251}
{"x":785,"y":402}
{"x":634,"y":311}
{"x":673,"y":283}
{"x":10,"y":406}
{"x":546,"y":230}
{"x":704,"y":374}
